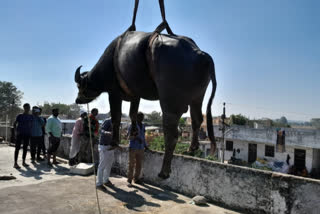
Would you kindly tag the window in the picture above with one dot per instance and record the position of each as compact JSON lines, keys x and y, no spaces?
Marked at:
{"x":229,"y":145}
{"x":269,"y":151}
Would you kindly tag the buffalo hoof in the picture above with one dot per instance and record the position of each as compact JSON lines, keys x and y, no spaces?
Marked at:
{"x":163,"y":175}
{"x":193,"y":148}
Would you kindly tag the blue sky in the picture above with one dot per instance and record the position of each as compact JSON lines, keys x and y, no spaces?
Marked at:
{"x":267,"y":53}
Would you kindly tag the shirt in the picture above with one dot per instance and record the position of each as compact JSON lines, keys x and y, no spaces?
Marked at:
{"x":37,"y":124}
{"x":24,"y":124}
{"x":95,"y":122}
{"x":54,"y":126}
{"x":105,"y":139}
{"x":135,"y":143}
{"x":78,"y":127}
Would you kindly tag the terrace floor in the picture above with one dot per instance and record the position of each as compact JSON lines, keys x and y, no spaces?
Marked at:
{"x":39,"y":189}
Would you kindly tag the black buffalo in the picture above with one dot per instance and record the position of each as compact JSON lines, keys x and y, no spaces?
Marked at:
{"x":152,"y":66}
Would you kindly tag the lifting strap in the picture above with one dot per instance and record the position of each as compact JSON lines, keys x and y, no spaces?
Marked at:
{"x":121,"y":81}
{"x":163,"y":15}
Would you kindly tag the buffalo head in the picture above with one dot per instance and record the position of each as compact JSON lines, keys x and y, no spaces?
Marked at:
{"x":87,"y":92}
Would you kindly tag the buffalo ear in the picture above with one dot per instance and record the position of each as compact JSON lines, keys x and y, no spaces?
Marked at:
{"x":77,"y":77}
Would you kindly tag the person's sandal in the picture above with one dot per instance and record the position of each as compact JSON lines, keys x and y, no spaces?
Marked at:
{"x":40,"y":159}
{"x":16,"y":166}
{"x":138,"y":182}
{"x":129,"y":184}
{"x":101,"y":187}
{"x":25,"y":165}
{"x":108,"y":184}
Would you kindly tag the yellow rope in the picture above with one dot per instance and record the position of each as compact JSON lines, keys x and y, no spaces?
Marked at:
{"x":92,"y":153}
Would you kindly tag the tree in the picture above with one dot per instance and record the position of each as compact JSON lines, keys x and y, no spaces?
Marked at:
{"x":239,"y":119}
{"x":281,"y":123}
{"x":71,"y":111}
{"x":182,"y":123}
{"x":154,"y":118}
{"x":283,"y":120}
{"x":315,"y":122}
{"x":10,"y":98}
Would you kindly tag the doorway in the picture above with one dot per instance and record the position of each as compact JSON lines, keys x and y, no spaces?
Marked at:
{"x":252,"y":153}
{"x":299,"y":159}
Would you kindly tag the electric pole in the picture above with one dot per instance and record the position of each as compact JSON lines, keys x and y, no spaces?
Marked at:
{"x":223,"y":129}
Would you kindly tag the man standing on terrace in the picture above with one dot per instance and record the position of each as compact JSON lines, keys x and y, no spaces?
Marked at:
{"x":106,"y":156}
{"x":36,"y":135}
{"x":54,"y":129}
{"x":23,"y":130}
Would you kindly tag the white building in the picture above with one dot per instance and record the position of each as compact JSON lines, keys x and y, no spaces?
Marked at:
{"x":303,"y":146}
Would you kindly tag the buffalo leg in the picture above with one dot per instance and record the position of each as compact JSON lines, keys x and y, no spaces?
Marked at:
{"x":115,"y":108}
{"x":170,"y":128}
{"x":197,"y":119}
{"x":134,"y":106}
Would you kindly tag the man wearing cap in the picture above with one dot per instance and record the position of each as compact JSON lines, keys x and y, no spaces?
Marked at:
{"x":106,"y":156}
{"x":54,"y":129}
{"x":36,"y":134}
{"x":77,"y":132}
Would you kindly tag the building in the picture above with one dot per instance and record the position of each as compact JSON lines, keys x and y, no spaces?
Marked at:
{"x":302,"y":145}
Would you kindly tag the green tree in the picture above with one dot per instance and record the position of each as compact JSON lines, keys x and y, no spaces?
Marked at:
{"x":283,"y":120}
{"x":71,"y":111}
{"x":182,"y":123}
{"x":154,"y":118}
{"x":315,"y":122}
{"x":10,"y":103}
{"x":281,"y":123}
{"x":238,"y":119}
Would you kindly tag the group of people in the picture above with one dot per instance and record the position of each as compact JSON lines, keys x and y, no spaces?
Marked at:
{"x":32,"y":128}
{"x":30,"y":131}
{"x":137,"y":146}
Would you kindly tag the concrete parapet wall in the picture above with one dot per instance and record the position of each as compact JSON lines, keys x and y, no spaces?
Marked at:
{"x":245,"y":189}
{"x":85,"y":150}
{"x":3,"y":132}
{"x":249,"y":190}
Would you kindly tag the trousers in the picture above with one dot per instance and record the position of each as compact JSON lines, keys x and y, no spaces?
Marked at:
{"x":135,"y":163}
{"x":35,"y":147}
{"x":106,"y":158}
{"x":25,"y":139}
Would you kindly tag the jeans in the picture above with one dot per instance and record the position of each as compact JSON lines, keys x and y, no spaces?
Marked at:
{"x":35,"y":146}
{"x":25,"y":139}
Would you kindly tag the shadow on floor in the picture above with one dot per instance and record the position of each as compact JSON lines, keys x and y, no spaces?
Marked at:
{"x":160,"y":194}
{"x":131,"y":199}
{"x":41,"y":169}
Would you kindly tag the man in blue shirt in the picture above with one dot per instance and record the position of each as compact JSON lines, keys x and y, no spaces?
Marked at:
{"x":36,"y":134}
{"x":136,"y":151}
{"x":23,"y":130}
{"x":106,"y":156}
